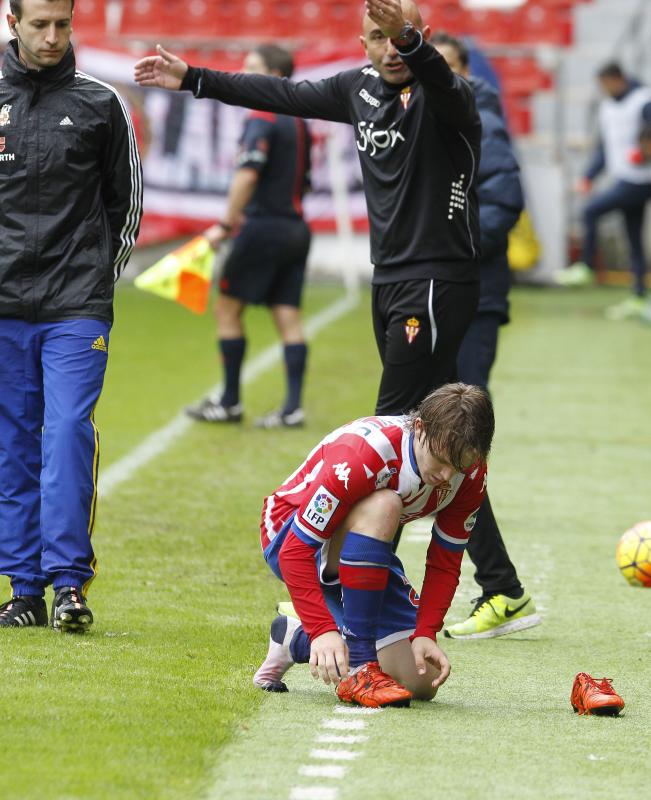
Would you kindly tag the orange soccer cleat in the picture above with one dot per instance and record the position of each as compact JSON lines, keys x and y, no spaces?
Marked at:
{"x":371,"y":687}
{"x":592,"y":696}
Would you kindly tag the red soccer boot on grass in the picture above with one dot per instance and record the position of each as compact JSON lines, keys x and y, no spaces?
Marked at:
{"x":371,"y":687}
{"x":592,"y":696}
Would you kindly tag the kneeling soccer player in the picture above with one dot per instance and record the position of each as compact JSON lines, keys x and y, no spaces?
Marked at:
{"x":327,"y":533}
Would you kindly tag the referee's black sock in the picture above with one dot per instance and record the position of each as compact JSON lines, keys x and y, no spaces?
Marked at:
{"x":295,"y":362}
{"x":232,"y":351}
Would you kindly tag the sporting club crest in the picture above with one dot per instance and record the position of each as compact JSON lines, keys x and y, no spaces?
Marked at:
{"x":442,"y":493}
{"x":412,"y":329}
{"x":2,"y":144}
{"x":4,"y":115}
{"x":405,"y":96}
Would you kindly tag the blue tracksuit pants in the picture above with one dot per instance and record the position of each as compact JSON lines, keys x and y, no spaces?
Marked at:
{"x":51,"y":376}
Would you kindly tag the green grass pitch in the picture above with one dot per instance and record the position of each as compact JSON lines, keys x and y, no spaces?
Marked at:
{"x":157,"y":701}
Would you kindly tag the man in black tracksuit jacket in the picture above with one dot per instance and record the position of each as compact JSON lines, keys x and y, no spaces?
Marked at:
{"x":70,"y":207}
{"x":418,"y":136}
{"x":503,"y":606}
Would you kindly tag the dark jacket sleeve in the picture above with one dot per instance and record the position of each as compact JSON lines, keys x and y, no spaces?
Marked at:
{"x":501,"y":199}
{"x":323,"y":99}
{"x":122,"y":184}
{"x":597,"y":162}
{"x":451,"y":96}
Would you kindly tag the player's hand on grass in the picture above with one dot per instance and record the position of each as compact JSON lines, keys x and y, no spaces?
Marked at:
{"x":426,"y":651}
{"x":329,"y":657}
{"x":387,"y":15}
{"x":164,"y":71}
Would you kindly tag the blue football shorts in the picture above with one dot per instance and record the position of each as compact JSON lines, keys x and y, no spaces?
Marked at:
{"x":399,"y":606}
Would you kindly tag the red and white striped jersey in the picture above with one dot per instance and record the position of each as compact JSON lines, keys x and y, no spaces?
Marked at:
{"x":357,"y":459}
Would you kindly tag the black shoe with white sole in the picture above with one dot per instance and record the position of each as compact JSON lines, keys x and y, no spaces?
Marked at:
{"x":70,"y":613}
{"x":23,"y":611}
{"x":282,"y":419}
{"x":212,"y":410}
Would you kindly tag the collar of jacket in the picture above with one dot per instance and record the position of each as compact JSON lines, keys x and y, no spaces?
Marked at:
{"x":14,"y":71}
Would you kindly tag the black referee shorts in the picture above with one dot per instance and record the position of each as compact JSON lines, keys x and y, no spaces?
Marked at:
{"x":419,"y":326}
{"x":266,"y":265}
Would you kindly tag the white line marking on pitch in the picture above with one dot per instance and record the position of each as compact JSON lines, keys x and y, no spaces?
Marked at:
{"x":159,"y":441}
{"x":335,"y":771}
{"x":334,"y":755}
{"x":356,"y":710}
{"x":322,"y":771}
{"x":333,"y":738}
{"x":314,"y":793}
{"x":344,"y":724}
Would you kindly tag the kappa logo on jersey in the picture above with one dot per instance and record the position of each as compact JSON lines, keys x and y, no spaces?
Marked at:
{"x":4,"y":116}
{"x":320,"y":508}
{"x":405,"y":96}
{"x":376,"y":140}
{"x":469,"y":524}
{"x":368,"y":98}
{"x":412,"y":329}
{"x":342,"y":471}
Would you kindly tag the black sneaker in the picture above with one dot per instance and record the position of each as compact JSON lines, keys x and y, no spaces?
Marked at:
{"x":211,"y":410}
{"x":23,"y":611}
{"x":282,"y":419}
{"x":70,"y":612}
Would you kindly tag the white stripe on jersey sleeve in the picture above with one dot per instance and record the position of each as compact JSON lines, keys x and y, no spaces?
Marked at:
{"x":307,"y":480}
{"x":268,"y":525}
{"x":320,"y":539}
{"x":449,"y":539}
{"x":375,"y":439}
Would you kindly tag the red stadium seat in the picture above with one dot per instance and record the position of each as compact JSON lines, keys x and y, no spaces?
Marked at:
{"x":520,"y":76}
{"x":447,"y":16}
{"x":537,"y":23}
{"x":518,"y":114}
{"x":89,"y":18}
{"x":148,"y":19}
{"x":488,"y":27}
{"x":282,"y":20}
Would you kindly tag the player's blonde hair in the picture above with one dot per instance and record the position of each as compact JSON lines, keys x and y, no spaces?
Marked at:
{"x":457,"y":420}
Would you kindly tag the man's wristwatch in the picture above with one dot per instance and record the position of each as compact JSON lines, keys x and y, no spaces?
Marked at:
{"x":406,"y":37}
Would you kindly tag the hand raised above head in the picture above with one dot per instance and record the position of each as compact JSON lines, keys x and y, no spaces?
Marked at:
{"x":387,"y":15}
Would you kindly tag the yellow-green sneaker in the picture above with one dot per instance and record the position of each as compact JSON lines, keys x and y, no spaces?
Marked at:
{"x":576,"y":276}
{"x":631,"y":308}
{"x":495,"y":616}
{"x":287,"y":608}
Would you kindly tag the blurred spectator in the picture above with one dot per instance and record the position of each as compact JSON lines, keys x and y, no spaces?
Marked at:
{"x":625,"y":109}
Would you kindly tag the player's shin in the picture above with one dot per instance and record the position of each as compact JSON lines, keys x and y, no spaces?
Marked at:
{"x":364,"y":572}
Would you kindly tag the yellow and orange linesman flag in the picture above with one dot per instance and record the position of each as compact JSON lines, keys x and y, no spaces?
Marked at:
{"x":183,"y":275}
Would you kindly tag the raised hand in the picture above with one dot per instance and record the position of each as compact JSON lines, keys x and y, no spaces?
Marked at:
{"x":387,"y":15}
{"x":164,"y":71}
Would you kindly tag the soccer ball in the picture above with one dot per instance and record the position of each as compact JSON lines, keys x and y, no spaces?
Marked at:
{"x":633,"y":554}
